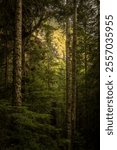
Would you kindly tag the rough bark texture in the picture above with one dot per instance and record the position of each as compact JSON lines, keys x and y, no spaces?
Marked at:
{"x":86,"y":119}
{"x":6,"y":62}
{"x":73,"y":111}
{"x":23,"y":60}
{"x":23,"y":70}
{"x":68,"y":82}
{"x":86,"y":123}
{"x":17,"y":56}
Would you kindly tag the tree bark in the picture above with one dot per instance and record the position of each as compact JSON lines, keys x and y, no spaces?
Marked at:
{"x":23,"y":70}
{"x":73,"y":111}
{"x":68,"y":82}
{"x":6,"y":61}
{"x":17,"y":57}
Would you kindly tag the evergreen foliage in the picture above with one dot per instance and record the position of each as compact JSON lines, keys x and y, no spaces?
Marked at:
{"x":40,"y":122}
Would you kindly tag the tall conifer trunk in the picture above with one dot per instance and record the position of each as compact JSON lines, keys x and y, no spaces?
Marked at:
{"x":6,"y":60}
{"x":73,"y":111}
{"x":17,"y":56}
{"x":68,"y":81}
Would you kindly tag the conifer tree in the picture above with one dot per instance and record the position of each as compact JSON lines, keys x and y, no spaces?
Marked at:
{"x":17,"y":56}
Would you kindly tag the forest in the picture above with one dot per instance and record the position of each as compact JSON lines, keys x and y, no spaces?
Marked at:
{"x":49,"y":74}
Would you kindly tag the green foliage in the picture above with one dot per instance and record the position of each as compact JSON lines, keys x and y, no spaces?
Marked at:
{"x":24,"y":129}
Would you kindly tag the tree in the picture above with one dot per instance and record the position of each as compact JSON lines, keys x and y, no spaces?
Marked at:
{"x":73,"y":110}
{"x":68,"y":82}
{"x":17,"y":56}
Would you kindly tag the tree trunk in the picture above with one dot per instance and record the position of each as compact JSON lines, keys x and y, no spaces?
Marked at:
{"x":73,"y":111}
{"x":68,"y":82}
{"x":17,"y":57}
{"x":6,"y":61}
{"x":23,"y":71}
{"x":86,"y":118}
